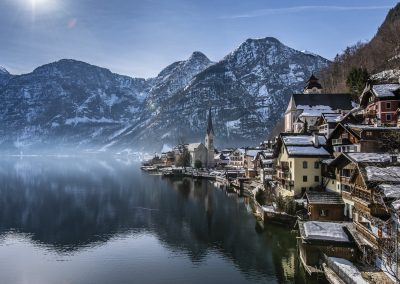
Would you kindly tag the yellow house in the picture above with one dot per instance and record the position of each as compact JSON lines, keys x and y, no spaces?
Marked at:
{"x":298,"y":163}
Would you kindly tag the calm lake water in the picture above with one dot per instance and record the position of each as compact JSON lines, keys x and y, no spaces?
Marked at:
{"x":101,"y":220}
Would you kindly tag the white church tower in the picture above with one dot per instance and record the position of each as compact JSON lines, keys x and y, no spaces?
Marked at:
{"x":209,"y":142}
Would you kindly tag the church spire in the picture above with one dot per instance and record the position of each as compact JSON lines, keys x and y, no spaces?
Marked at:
{"x":210,"y":126}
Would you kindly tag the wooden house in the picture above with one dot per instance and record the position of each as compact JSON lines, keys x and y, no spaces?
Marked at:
{"x":380,"y":103}
{"x":348,"y":137}
{"x":324,"y":206}
{"x":317,"y":239}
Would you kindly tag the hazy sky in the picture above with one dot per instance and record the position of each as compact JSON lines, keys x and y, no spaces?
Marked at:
{"x":139,"y":38}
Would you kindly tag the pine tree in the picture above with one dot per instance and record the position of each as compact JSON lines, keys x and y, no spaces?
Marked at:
{"x":356,"y":80}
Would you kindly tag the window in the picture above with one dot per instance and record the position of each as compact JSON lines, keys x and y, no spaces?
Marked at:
{"x":388,"y":116}
{"x":323,"y":212}
{"x":305,"y":165}
{"x":305,"y":178}
{"x":303,"y":189}
{"x":388,"y":105}
{"x":290,"y":164}
{"x":369,"y":133}
{"x":316,"y":165}
{"x":333,"y":182}
{"x":316,"y":178}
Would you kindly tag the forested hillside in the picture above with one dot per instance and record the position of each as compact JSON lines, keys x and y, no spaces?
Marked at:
{"x":381,"y":53}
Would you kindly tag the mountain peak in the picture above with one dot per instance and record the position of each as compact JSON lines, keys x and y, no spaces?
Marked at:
{"x":198,"y":54}
{"x":264,"y":40}
{"x":3,"y":71}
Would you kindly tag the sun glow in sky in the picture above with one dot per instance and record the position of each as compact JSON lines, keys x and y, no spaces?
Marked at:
{"x":141,"y":37}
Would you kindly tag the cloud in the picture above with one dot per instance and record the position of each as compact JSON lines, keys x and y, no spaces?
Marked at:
{"x":72,"y":23}
{"x":299,"y":9}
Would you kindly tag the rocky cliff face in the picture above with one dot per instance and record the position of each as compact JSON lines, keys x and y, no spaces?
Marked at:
{"x":74,"y":104}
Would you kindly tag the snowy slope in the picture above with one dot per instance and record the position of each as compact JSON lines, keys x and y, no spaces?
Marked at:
{"x":72,"y":103}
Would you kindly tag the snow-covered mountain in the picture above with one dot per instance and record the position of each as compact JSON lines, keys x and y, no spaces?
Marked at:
{"x":248,"y":91}
{"x":5,"y":76}
{"x":73,"y":103}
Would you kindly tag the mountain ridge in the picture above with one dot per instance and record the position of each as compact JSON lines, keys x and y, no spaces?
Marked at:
{"x":70,"y":102}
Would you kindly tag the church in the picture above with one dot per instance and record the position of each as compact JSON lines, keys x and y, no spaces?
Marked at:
{"x":305,"y":108}
{"x":204,"y":152}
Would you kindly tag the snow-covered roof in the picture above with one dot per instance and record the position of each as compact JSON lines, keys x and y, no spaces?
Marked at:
{"x":371,"y":127}
{"x":385,"y":174}
{"x":267,"y":161}
{"x":324,"y":198}
{"x":349,"y":269}
{"x":193,"y":146}
{"x":328,"y":231}
{"x":370,"y":157}
{"x":252,"y":153}
{"x":306,"y":151}
{"x":332,"y":117}
{"x":313,"y":111}
{"x":302,"y":140}
{"x":390,"y":190}
{"x":385,"y":90}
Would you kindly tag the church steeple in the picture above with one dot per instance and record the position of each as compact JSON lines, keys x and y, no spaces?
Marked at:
{"x":209,"y":125}
{"x":312,"y":86}
{"x":209,"y":141}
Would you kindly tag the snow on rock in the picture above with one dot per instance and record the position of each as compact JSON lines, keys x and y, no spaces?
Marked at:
{"x":77,"y":120}
{"x":329,"y":231}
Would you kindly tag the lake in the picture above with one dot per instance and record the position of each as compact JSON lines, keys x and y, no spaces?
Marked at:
{"x":101,"y":220}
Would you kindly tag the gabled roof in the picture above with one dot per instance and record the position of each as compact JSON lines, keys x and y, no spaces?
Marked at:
{"x":323,"y":231}
{"x":380,"y":91}
{"x":315,"y":197}
{"x":334,"y":101}
{"x":306,"y":151}
{"x":194,"y":146}
{"x":385,"y":90}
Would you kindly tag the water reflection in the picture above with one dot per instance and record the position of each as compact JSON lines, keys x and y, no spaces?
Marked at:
{"x":68,"y":205}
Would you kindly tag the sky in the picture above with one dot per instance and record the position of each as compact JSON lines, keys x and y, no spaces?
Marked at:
{"x":140,"y":38}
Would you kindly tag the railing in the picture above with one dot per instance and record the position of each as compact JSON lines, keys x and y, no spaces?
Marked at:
{"x":340,"y":141}
{"x":332,"y":265}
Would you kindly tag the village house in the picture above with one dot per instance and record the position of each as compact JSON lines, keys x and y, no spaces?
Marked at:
{"x":264,"y":164}
{"x":348,"y":137}
{"x":380,"y":103}
{"x":298,"y":159}
{"x":305,"y":109}
{"x":249,"y":163}
{"x":327,"y":122}
{"x":236,"y":158}
{"x":368,"y":183}
{"x":324,"y":206}
{"x":319,"y":239}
